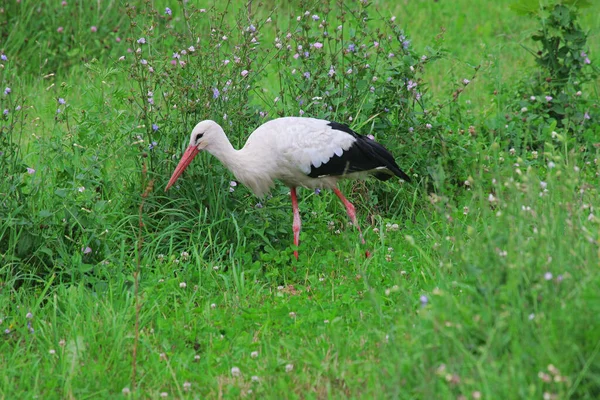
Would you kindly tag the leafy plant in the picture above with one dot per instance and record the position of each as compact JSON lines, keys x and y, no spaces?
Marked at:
{"x":554,"y":94}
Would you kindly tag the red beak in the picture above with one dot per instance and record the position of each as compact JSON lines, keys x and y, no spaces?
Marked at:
{"x":186,"y":159}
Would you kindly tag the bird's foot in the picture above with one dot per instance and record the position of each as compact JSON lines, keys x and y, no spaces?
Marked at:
{"x":296,"y":254}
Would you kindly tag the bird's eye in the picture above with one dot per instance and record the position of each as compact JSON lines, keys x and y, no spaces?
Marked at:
{"x":199,"y":136}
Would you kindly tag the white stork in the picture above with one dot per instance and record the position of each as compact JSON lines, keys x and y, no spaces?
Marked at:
{"x":307,"y":152}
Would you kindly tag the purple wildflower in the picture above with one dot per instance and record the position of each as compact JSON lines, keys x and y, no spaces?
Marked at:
{"x":548,"y":98}
{"x":3,"y":57}
{"x":5,"y":112}
{"x":7,"y":90}
{"x":154,"y":127}
{"x":152,"y":145}
{"x":93,"y":29}
{"x":61,"y":100}
{"x":306,"y":75}
{"x":318,"y":45}
{"x":168,"y":11}
{"x":30,"y":171}
{"x":351,"y":47}
{"x":317,"y":191}
{"x":215,"y":93}
{"x":585,"y":57}
{"x":244,"y":73}
{"x":424,"y":300}
{"x":141,"y":40}
{"x":176,"y":55}
{"x":87,"y":250}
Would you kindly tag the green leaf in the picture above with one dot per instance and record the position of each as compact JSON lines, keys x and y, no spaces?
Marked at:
{"x":46,"y":251}
{"x":45,"y":214}
{"x":578,"y":3}
{"x":525,"y":7}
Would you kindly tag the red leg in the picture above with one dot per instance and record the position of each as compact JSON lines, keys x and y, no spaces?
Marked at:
{"x":297,"y":224}
{"x":351,"y":212}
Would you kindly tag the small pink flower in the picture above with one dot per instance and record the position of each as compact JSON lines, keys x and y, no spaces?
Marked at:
{"x":30,"y":171}
{"x":87,"y":250}
{"x":548,"y":98}
{"x":60,"y":29}
{"x":93,"y":28}
{"x":64,"y":3}
{"x":318,"y":45}
{"x":118,"y":39}
{"x":244,"y":73}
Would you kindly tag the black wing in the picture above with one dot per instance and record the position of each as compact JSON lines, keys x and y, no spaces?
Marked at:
{"x":364,"y":155}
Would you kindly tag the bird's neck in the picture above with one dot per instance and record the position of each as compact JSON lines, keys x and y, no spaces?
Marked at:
{"x":243,"y":164}
{"x":225,"y":153}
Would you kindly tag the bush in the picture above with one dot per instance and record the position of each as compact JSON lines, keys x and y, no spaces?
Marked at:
{"x":554,"y":96}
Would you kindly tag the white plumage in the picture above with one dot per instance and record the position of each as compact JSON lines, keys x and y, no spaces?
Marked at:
{"x":305,"y":152}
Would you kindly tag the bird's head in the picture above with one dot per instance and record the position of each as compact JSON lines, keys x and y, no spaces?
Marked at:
{"x":203,"y":135}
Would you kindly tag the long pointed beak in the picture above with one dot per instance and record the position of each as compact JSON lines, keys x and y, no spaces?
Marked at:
{"x":186,"y":159}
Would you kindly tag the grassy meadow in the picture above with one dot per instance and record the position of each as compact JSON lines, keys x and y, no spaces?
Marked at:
{"x":483,"y":280}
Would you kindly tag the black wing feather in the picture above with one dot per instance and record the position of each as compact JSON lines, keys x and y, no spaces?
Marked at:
{"x":364,"y":155}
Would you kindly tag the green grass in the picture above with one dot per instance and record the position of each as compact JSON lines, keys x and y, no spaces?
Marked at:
{"x":482,"y":291}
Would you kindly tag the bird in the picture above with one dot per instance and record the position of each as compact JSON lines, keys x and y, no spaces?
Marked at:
{"x":299,"y":152}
